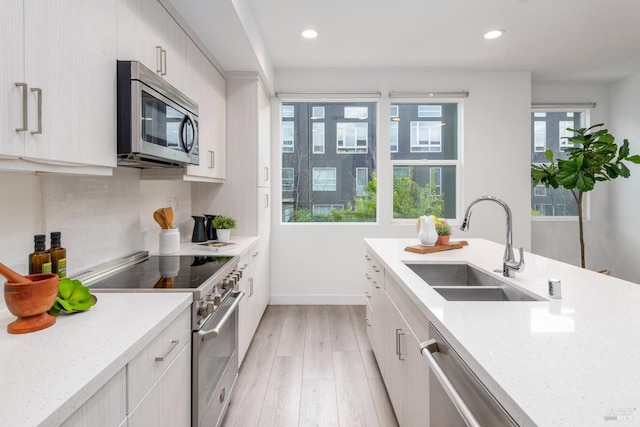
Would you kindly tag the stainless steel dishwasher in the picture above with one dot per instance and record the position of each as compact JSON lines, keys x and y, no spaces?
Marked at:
{"x":456,"y":395}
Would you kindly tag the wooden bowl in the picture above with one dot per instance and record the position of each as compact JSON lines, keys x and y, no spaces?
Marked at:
{"x":30,"y":303}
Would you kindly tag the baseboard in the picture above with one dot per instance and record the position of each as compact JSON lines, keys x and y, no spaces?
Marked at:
{"x":317,"y":299}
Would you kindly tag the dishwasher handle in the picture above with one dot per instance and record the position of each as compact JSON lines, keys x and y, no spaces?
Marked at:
{"x":427,"y":349}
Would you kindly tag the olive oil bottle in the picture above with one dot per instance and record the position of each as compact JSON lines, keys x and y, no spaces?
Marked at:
{"x":58,"y":255}
{"x":39,"y":260}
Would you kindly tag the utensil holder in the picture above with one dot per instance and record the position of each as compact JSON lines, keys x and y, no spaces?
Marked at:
{"x":169,"y":241}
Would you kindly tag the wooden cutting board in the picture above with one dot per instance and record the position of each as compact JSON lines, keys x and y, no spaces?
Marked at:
{"x":421,"y":249}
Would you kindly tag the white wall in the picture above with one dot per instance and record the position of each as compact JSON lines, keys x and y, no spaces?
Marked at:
{"x":323,"y":263}
{"x":559,"y":239}
{"x":101,"y":218}
{"x":624,"y":196}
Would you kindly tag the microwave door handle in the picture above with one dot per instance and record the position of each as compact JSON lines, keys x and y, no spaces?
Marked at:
{"x":431,"y":346}
{"x":188,"y":118}
{"x":213,"y":333}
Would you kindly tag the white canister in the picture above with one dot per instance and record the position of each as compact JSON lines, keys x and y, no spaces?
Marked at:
{"x":169,"y":241}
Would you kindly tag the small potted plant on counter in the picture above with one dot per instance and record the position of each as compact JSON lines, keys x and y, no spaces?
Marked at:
{"x":223,"y":225}
{"x":444,"y":232}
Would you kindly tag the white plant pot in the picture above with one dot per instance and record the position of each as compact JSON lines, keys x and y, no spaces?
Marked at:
{"x":224,"y":235}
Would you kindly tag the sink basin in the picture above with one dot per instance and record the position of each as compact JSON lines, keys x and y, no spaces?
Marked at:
{"x":481,"y":293}
{"x":461,"y":282}
{"x":453,"y":275}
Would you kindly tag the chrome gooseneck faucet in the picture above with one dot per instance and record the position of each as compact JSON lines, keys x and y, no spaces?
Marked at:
{"x":509,"y":265}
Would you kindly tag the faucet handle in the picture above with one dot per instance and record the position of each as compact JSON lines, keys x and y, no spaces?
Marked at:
{"x":511,"y":267}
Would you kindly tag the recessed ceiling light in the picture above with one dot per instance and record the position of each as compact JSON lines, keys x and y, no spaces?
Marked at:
{"x":493,"y":34}
{"x":309,"y":34}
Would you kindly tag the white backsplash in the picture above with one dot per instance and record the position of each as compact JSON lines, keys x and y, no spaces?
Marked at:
{"x":101,"y":218}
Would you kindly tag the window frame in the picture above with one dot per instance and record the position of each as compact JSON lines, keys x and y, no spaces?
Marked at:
{"x":293,"y":137}
{"x":586,"y":201}
{"x":293,"y":179}
{"x":416,"y":146}
{"x":324,"y":168}
{"x":355,"y":149}
{"x":313,"y":137}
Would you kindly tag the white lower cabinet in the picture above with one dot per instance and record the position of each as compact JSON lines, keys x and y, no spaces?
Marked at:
{"x":108,"y":407}
{"x":168,"y":403}
{"x":395,"y":332}
{"x":153,"y":389}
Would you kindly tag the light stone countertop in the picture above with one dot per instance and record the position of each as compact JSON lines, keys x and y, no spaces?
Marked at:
{"x":48,"y":374}
{"x":566,"y":362}
{"x":240,"y":244}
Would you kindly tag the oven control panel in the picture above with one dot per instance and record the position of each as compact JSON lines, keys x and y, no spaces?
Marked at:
{"x":207,"y":305}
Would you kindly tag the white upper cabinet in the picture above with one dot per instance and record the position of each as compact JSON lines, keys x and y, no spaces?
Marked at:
{"x":148,"y":34}
{"x":68,"y":49}
{"x":264,"y":136}
{"x":207,"y":87}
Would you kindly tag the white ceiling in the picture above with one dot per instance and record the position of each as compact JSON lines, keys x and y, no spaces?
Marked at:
{"x":586,"y":40}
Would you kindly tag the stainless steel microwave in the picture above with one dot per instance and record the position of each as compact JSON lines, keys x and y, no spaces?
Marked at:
{"x":157,"y":124}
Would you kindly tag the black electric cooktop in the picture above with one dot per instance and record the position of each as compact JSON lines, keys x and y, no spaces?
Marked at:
{"x":164,"y":272}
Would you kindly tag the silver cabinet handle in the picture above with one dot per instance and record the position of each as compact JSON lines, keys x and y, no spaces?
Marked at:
{"x":376,"y":284}
{"x":163,"y":56}
{"x":367,"y":257}
{"x":376,"y":269}
{"x":25,"y":123}
{"x":266,"y":200}
{"x":427,"y":349}
{"x":213,"y":333}
{"x":367,"y":276}
{"x":255,"y":254}
{"x":266,"y":173}
{"x":38,"y":92}
{"x":250,"y":286}
{"x":400,"y":333}
{"x":367,"y":322}
{"x":159,"y":60}
{"x":212,"y":159}
{"x":367,"y":294}
{"x":174,"y":343}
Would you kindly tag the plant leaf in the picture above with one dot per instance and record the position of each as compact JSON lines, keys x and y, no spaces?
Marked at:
{"x":624,"y":170}
{"x":634,"y":159}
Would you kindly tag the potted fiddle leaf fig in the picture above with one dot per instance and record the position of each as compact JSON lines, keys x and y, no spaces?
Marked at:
{"x":594,"y":157}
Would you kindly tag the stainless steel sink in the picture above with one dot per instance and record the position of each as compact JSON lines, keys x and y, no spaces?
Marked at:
{"x":461,"y":282}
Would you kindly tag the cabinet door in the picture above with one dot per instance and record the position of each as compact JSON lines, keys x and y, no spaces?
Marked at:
{"x":168,"y":403}
{"x":416,"y":402}
{"x":246,"y":308}
{"x":207,"y":87}
{"x":11,"y":72}
{"x":395,"y":343}
{"x":264,"y":137}
{"x":70,"y":46}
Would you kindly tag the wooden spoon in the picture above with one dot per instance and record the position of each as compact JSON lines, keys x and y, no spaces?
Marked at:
{"x":12,"y":276}
{"x":157,"y":215}
{"x":168,"y":213}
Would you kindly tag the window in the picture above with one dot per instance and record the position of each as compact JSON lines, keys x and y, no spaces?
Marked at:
{"x":393,"y":111}
{"x":565,"y":134}
{"x":325,"y":210}
{"x":287,"y":111}
{"x":356,"y":113}
{"x":426,"y":131}
{"x":429,"y":110}
{"x":352,"y":137}
{"x":287,"y":179}
{"x":393,"y":136}
{"x":318,"y":138}
{"x":317,"y":113}
{"x":362,"y":179}
{"x":287,"y":137}
{"x":324,"y":179}
{"x":426,"y":137}
{"x":550,"y":202}
{"x":332,"y":169}
{"x":539,"y":136}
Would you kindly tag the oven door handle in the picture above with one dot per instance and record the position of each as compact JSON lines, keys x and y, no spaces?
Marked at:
{"x":213,"y":333}
{"x":427,"y":349}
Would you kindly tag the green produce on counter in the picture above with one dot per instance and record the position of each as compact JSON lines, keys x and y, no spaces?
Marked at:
{"x":73,"y":297}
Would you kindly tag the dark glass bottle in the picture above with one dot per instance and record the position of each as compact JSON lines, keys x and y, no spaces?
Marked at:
{"x":58,"y":255}
{"x":39,"y":260}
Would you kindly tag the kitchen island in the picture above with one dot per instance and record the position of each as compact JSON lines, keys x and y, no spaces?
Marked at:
{"x":556,"y":362}
{"x":48,"y":375}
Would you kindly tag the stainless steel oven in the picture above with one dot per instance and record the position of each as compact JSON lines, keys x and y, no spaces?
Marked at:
{"x":457,"y":397}
{"x":214,"y":316}
{"x":215,"y":363}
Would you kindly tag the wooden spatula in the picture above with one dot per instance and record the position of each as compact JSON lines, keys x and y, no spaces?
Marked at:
{"x":159,"y":217}
{"x":168,"y":213}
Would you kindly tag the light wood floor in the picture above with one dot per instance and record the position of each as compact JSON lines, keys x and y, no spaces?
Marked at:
{"x":310,"y":366}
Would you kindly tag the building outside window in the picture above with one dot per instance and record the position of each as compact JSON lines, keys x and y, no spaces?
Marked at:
{"x":540,"y":136}
{"x":318,"y":137}
{"x":288,"y":179}
{"x":329,"y":171}
{"x":393,"y":136}
{"x":426,"y":131}
{"x":288,"y":133}
{"x":549,"y":202}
